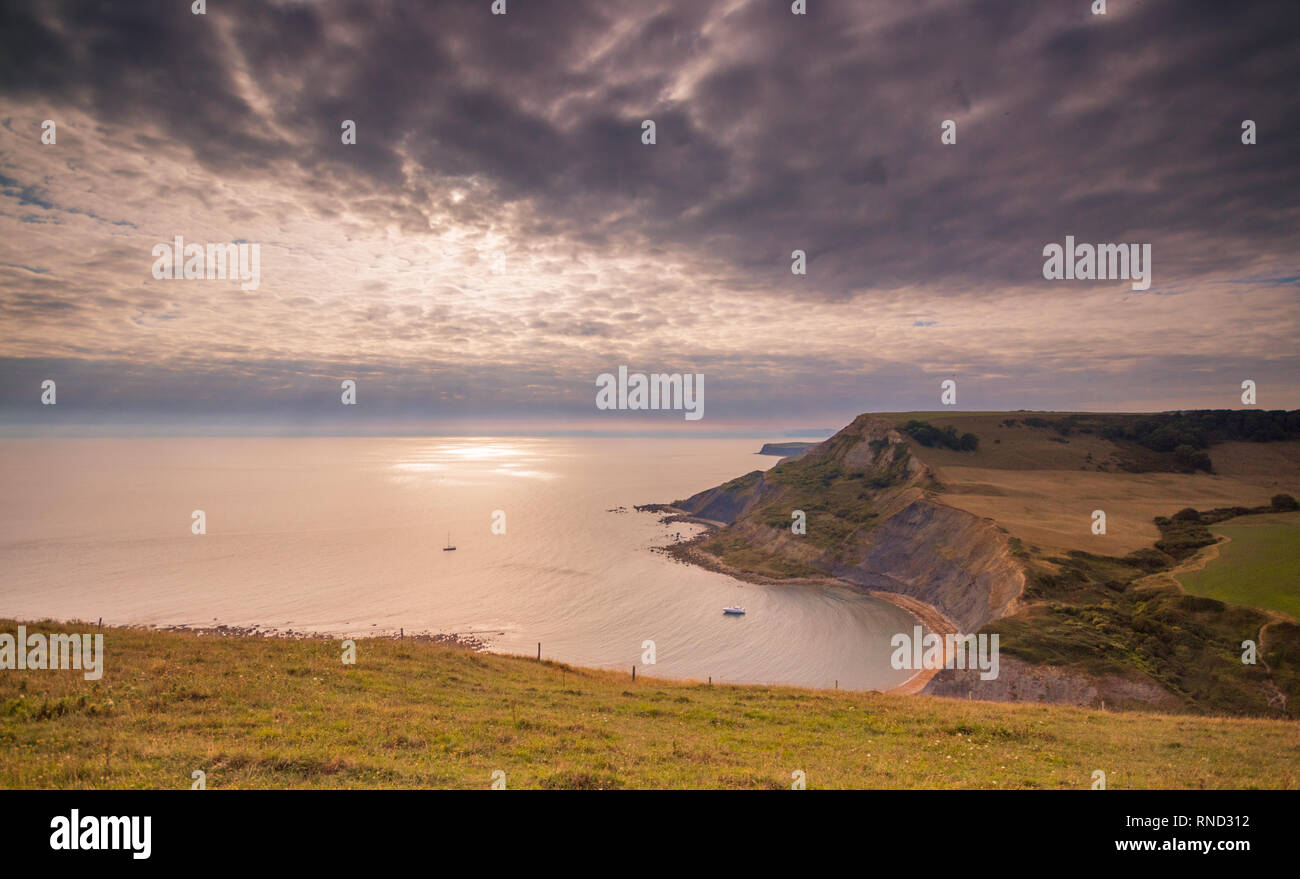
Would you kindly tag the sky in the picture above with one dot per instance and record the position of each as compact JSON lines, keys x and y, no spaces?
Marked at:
{"x":499,"y":234}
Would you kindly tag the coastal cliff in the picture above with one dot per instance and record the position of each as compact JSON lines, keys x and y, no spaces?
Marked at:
{"x":873,"y":519}
{"x":945,"y":518}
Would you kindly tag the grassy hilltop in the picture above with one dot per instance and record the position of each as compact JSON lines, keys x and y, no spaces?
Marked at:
{"x":254,"y":712}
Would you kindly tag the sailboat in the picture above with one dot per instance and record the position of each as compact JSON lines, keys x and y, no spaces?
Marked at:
{"x":448,"y":547}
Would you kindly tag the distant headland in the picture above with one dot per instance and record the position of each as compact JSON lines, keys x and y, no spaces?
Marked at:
{"x":785,"y":449}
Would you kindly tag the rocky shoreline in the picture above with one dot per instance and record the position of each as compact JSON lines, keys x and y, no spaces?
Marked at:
{"x":448,"y":639}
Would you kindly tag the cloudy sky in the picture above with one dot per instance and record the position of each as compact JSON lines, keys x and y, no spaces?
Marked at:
{"x":499,"y":235}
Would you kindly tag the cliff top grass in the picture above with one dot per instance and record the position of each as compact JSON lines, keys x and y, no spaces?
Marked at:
{"x":1041,"y":474}
{"x":252,"y":712}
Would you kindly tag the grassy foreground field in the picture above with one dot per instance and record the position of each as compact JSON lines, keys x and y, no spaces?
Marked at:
{"x":253,"y":712}
{"x":1257,"y":567}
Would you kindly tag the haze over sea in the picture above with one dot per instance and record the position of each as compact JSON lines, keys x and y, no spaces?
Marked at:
{"x":344,"y":536}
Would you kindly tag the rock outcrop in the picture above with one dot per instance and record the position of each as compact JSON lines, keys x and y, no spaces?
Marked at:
{"x":1018,"y":681}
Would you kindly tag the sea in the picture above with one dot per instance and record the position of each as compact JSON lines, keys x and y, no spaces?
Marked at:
{"x":345,"y":536}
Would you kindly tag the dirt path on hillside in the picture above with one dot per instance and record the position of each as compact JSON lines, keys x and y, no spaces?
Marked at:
{"x":1278,"y":699}
{"x":1197,"y":562}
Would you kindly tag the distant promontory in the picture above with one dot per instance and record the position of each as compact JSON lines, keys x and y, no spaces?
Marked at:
{"x":785,"y":450}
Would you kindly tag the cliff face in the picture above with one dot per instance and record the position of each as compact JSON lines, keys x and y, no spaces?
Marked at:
{"x":872,"y":519}
{"x":951,"y":560}
{"x":1019,"y":681}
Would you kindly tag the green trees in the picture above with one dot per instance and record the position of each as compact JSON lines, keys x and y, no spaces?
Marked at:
{"x":930,"y":436}
{"x":1199,"y":429}
{"x":1193,"y":459}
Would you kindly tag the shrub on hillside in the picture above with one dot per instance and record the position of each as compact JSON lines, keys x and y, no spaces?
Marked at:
{"x":1285,"y":502}
{"x":930,"y":436}
{"x":1193,"y":459}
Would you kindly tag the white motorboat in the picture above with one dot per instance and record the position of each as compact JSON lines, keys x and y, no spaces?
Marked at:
{"x":734,"y":610}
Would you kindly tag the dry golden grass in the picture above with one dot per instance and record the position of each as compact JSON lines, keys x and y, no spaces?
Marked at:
{"x":1043,"y":487}
{"x":1053,"y":509}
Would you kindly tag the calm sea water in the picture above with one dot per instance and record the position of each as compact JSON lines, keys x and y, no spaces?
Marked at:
{"x":344,"y":536}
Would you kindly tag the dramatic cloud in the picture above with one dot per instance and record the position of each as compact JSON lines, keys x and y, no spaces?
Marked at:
{"x":499,"y":234}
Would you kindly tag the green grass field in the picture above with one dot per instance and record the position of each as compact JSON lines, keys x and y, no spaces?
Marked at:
{"x":278,"y":713}
{"x":1258,"y":567}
